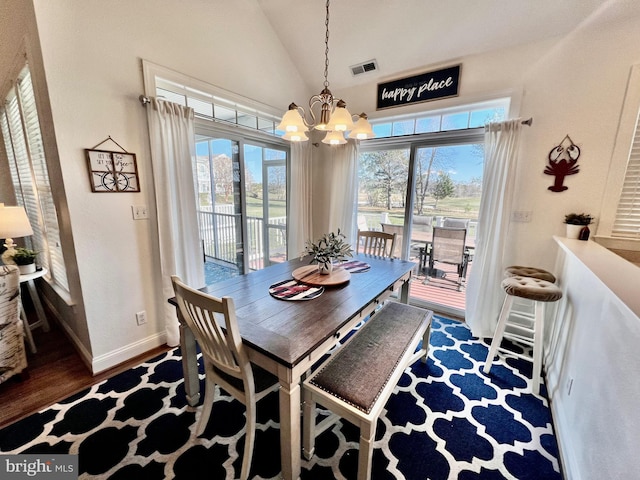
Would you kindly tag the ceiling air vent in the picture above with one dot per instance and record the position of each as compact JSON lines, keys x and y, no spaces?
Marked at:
{"x":365,"y":67}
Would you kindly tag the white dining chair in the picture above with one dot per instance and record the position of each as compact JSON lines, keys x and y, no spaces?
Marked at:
{"x":381,"y":244}
{"x":213,"y":323}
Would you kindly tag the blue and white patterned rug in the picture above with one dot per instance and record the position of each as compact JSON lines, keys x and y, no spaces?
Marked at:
{"x":445,"y":420}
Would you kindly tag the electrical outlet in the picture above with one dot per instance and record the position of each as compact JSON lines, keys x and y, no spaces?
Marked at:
{"x":141,"y":317}
{"x":522,"y":217}
{"x":139,"y":212}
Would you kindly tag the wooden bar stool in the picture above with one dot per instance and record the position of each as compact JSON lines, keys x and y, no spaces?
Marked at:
{"x":523,"y":308}
{"x":531,"y":330}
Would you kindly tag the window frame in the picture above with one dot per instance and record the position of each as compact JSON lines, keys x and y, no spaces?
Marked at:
{"x":628,"y":132}
{"x":30,"y":177}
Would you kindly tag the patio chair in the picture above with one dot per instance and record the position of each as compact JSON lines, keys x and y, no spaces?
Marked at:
{"x":449,"y":246}
{"x":451,"y":222}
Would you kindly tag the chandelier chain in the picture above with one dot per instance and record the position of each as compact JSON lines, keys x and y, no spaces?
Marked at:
{"x":326,"y":49}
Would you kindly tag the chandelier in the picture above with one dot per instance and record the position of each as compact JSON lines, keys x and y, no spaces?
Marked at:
{"x":334,"y":118}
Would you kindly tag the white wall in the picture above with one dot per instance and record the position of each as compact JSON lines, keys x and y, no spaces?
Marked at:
{"x":92,"y":54}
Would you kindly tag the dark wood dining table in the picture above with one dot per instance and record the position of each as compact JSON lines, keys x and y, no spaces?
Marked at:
{"x":288,"y":337}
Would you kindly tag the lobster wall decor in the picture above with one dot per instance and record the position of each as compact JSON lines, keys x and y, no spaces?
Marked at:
{"x":563,"y":159}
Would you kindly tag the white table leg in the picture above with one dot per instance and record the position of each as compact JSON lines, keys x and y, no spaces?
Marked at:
{"x":189,"y":364}
{"x":290,"y":438}
{"x":35,"y":298}
{"x":27,"y":329}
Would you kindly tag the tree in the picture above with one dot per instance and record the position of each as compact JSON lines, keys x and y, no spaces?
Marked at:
{"x":443,"y":187}
{"x":383,"y":175}
{"x":222,"y":169}
{"x":427,"y":161}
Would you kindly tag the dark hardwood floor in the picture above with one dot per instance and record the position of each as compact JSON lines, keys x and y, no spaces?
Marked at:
{"x":54,"y":372}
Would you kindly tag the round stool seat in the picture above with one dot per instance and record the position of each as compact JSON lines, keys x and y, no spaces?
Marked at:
{"x":532,"y":289}
{"x":533,"y":272}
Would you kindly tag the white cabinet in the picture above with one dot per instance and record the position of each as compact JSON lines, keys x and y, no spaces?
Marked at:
{"x":592,"y":357}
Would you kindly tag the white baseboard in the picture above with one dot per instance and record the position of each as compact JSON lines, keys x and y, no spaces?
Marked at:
{"x":113,"y":359}
{"x":116,"y":357}
{"x":567,"y":457}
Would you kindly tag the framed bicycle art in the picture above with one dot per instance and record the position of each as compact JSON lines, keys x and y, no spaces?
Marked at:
{"x":111,"y":171}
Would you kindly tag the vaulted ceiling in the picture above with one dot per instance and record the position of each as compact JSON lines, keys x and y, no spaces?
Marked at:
{"x":408,"y":35}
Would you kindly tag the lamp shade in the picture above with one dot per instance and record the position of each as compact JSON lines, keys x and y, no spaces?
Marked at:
{"x":340,"y":119}
{"x":14,"y":222}
{"x":292,"y":121}
{"x":362,"y":129}
{"x":334,"y":138}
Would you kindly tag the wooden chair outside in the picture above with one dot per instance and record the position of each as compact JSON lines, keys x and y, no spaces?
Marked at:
{"x":213,"y":323}
{"x":380,"y":244}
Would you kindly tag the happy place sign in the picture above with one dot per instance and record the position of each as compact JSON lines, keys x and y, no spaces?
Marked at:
{"x":419,"y":88}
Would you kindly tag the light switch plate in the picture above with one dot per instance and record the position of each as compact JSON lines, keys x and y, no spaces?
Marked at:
{"x":523,"y":217}
{"x":139,"y":212}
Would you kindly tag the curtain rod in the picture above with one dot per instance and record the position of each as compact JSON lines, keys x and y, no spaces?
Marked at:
{"x":145,"y":100}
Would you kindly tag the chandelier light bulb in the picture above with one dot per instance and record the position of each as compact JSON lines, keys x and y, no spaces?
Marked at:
{"x":295,"y":137}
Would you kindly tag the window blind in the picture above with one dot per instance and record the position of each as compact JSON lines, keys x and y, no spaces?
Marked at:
{"x":627,"y":223}
{"x":20,"y":128}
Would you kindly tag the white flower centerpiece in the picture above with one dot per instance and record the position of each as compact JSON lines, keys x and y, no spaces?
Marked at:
{"x":329,"y":249}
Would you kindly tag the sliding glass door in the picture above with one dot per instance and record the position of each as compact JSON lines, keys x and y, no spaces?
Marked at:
{"x":409,"y":186}
{"x":242,"y":204}
{"x":266,"y":200}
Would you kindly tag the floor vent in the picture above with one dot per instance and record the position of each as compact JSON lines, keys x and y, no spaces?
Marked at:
{"x":365,"y":67}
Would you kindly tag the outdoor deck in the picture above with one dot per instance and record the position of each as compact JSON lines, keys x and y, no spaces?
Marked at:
{"x":441,"y":291}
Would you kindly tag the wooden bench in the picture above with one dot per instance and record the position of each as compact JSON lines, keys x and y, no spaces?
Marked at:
{"x":356,"y":381}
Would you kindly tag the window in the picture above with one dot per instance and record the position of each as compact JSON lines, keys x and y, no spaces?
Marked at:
{"x":20,"y":129}
{"x":627,"y":222}
{"x":242,"y":174}
{"x":620,"y":213}
{"x":460,"y":118}
{"x":213,"y":107}
{"x":423,"y":171}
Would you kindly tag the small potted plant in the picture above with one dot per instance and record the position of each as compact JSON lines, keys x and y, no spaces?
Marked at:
{"x":25,"y":260}
{"x":327,"y":250}
{"x":578,"y":225}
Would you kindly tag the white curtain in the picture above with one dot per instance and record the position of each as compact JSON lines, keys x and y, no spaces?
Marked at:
{"x":344,"y":183}
{"x":172,"y":138}
{"x":484,"y":295}
{"x":300,"y":207}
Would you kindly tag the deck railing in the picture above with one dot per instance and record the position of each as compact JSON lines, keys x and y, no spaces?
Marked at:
{"x":221,"y":236}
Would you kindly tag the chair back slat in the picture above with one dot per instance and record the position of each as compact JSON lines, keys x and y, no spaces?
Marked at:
{"x":214,"y":324}
{"x":380,"y":244}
